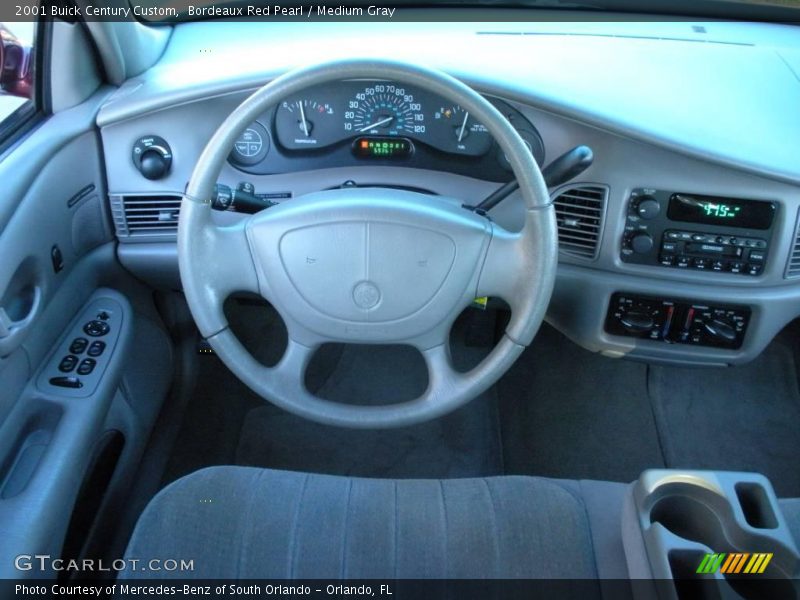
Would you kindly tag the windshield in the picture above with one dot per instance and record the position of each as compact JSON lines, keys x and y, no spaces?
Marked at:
{"x":183,"y":10}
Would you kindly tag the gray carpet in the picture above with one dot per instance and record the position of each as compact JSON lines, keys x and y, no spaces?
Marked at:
{"x":745,"y":418}
{"x":569,"y":413}
{"x":561,"y":411}
{"x":463,"y":444}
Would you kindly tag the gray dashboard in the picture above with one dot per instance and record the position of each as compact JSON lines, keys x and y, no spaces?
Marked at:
{"x":671,"y":108}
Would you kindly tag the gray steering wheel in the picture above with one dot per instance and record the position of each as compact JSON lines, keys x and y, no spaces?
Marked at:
{"x":367,"y":265}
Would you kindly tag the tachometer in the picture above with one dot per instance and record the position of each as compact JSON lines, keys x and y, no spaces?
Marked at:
{"x":304,"y":123}
{"x":384,"y":109}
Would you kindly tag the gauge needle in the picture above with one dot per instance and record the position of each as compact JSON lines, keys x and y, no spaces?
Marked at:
{"x":303,"y":118}
{"x":463,"y":125}
{"x":374,"y":125}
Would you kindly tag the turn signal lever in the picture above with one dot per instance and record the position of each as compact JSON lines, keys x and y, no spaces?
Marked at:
{"x":567,"y":166}
{"x":243,"y":199}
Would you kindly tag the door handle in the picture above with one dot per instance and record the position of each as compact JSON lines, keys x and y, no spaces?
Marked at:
{"x":5,"y":323}
{"x":16,"y":318}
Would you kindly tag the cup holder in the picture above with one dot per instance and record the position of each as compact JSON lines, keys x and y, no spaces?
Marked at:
{"x":688,"y":583}
{"x":684,"y":516}
{"x":690,"y":519}
{"x":693,"y":520}
{"x":756,"y":506}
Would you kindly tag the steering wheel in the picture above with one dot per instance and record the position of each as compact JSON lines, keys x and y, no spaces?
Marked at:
{"x":367,"y":265}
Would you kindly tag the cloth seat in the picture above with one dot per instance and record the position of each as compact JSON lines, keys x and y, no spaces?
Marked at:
{"x":242,"y":522}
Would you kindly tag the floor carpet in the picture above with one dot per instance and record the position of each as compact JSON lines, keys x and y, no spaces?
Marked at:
{"x":561,"y":411}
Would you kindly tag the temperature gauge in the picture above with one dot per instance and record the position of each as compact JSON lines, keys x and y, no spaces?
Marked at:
{"x":305,"y":124}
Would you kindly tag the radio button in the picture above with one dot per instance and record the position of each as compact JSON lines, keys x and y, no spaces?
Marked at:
{"x":683,"y":262}
{"x":736,"y":267}
{"x":701,"y":263}
{"x":754,"y":269}
{"x":757,"y":256}
{"x":669,"y":247}
{"x":698,"y":237}
{"x":667,"y":260}
{"x":718,"y":265}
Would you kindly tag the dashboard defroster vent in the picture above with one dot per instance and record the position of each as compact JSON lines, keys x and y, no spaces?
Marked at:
{"x":580,"y":210}
{"x":146,"y":216}
{"x":793,"y":265}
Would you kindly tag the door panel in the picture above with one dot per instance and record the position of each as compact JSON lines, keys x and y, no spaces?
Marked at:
{"x":58,"y":272}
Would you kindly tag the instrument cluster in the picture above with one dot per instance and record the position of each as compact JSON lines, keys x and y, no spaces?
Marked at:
{"x":379,"y":121}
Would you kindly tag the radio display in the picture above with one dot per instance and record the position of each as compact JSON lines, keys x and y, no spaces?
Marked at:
{"x":712,"y":210}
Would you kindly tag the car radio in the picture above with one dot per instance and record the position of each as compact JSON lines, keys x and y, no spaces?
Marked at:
{"x":693,"y":231}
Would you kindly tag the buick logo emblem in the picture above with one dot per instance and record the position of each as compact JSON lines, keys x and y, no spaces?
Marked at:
{"x":366,"y":295}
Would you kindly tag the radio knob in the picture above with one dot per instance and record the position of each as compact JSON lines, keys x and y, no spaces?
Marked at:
{"x":641,"y":243}
{"x":648,"y":207}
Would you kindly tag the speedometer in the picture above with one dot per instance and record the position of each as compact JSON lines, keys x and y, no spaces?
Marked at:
{"x":384,"y":109}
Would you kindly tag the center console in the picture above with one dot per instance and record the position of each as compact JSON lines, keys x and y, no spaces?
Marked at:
{"x":692,"y":231}
{"x":709,"y":534}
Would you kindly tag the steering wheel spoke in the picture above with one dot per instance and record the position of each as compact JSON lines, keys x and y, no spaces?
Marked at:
{"x":442,"y":375}
{"x":503,"y":273}
{"x":220,"y":261}
{"x":290,"y":372}
{"x":520,"y":270}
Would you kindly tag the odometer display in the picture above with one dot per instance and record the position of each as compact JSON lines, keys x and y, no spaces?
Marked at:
{"x":384,"y":109}
{"x":383,"y":147}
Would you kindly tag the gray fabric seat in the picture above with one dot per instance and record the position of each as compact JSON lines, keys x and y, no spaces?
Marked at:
{"x":239,"y":522}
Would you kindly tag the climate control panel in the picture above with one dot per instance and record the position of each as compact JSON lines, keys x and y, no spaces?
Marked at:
{"x":697,"y":232}
{"x":677,"y":321}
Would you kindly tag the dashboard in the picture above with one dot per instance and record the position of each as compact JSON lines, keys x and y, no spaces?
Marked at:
{"x":377,"y":123}
{"x":678,"y":245}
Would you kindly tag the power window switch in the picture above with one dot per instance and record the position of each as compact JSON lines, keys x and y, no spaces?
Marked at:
{"x":96,"y":348}
{"x":78,"y":345}
{"x":68,"y":363}
{"x":87,"y":366}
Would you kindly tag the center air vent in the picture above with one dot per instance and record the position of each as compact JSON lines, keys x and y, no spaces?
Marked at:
{"x":579,"y":213}
{"x":146,"y":216}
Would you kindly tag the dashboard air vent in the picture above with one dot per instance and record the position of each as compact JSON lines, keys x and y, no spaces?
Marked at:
{"x":579,"y":213}
{"x":793,"y":266}
{"x":146,"y":216}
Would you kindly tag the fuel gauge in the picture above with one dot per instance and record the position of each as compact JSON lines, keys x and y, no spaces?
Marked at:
{"x":459,"y":132}
{"x":305,"y":124}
